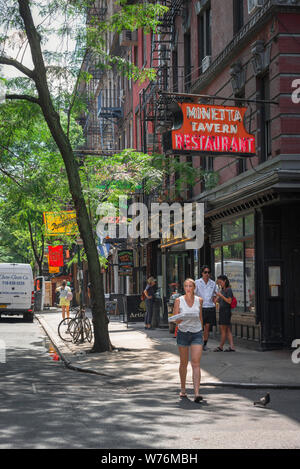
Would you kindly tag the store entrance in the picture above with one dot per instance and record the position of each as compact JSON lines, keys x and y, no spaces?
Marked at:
{"x":295,"y":297}
{"x":178,"y":269}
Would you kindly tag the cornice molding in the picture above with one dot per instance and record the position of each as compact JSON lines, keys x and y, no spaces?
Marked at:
{"x":243,"y":37}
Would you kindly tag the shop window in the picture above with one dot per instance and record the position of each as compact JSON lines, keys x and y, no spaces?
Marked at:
{"x":233,"y":267}
{"x":250,"y":276}
{"x":232,"y":230}
{"x":218,"y":262}
{"x":236,"y":259}
{"x":249,"y":225}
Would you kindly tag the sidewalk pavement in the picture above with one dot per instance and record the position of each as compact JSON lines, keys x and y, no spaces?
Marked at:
{"x":146,"y":359}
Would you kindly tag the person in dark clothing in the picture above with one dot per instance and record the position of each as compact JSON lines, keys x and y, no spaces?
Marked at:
{"x":149,"y":294}
{"x":224,"y":299}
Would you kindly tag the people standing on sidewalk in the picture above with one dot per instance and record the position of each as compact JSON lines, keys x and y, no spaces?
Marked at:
{"x":206,"y":288}
{"x":190,"y":336}
{"x":224,"y":299}
{"x":149,"y":293}
{"x":64,"y":298}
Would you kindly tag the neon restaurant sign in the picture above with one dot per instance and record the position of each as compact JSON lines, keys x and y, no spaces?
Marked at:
{"x":212,"y":129}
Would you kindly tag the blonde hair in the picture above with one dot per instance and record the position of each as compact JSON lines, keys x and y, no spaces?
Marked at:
{"x":190,"y":280}
{"x":151,"y":280}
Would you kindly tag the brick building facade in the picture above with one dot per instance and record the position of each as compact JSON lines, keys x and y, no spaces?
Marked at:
{"x":236,"y":53}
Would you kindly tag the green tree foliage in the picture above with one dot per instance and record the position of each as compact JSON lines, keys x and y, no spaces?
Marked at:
{"x":48,"y":82}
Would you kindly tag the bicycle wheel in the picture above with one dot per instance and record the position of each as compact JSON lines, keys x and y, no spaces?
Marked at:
{"x":82,"y":331}
{"x":64,"y":330}
{"x":88,"y":330}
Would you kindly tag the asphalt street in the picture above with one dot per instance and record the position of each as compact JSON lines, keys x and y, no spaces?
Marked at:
{"x":45,"y":405}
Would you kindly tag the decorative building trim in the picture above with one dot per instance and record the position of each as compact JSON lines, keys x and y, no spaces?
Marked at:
{"x":201,"y":5}
{"x":261,"y":56}
{"x":243,"y":206}
{"x":238,"y":78}
{"x":259,"y":18}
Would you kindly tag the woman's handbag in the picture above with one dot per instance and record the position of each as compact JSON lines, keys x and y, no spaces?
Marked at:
{"x":233,"y":303}
{"x":143,"y":296}
{"x":69,"y":295}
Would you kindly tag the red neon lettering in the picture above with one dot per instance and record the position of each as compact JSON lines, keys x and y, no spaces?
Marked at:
{"x":179,"y":141}
{"x":234,"y":144}
{"x":251,"y":145}
{"x":187,"y":142}
{"x":242,"y":145}
{"x":217,"y":144}
{"x":225,"y":144}
{"x":209,"y":144}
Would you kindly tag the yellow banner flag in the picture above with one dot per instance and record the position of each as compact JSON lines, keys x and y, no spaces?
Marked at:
{"x":61,"y":223}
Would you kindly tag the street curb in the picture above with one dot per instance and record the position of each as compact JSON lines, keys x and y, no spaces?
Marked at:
{"x":66,"y":362}
{"x":224,"y":384}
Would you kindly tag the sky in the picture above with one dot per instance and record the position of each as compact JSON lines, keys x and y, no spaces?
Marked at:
{"x":21,"y":51}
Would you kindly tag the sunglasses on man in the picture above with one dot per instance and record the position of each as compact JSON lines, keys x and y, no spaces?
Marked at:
{"x":206,"y":271}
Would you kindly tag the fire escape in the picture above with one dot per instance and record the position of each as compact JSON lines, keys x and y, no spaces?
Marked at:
{"x":97,"y":123}
{"x":109,"y":111}
{"x":155,"y":108}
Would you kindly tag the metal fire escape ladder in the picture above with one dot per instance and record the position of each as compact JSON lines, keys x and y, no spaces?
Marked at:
{"x":93,"y":65}
{"x":109,"y":111}
{"x":154,"y":106}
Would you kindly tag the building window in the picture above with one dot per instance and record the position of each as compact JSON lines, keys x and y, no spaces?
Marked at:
{"x":207,"y":164}
{"x":144,"y":49}
{"x":204,"y":36}
{"x":238,"y":15}
{"x":187,"y":62}
{"x":235,"y":257}
{"x":135,"y":56}
{"x":138,"y":132}
{"x":265,"y":127}
{"x":175,"y":70}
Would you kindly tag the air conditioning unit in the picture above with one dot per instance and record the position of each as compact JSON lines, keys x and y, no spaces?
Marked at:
{"x":206,"y":63}
{"x":254,"y":4}
{"x":128,"y":38}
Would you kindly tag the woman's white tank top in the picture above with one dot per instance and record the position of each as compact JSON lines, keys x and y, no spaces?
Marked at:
{"x":190,"y":324}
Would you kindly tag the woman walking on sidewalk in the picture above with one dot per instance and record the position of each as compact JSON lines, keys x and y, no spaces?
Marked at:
{"x":190,"y":336}
{"x":65,"y":295}
{"x":149,"y":296}
{"x":224,"y":299}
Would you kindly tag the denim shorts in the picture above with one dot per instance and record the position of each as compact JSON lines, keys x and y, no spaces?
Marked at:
{"x":186,"y":339}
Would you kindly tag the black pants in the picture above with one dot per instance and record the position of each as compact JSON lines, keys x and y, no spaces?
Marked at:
{"x":149,"y":311}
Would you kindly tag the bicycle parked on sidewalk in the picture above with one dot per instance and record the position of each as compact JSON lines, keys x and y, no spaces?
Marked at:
{"x":77,"y":329}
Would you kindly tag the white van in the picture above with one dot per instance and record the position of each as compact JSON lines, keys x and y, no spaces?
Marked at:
{"x":16,"y":290}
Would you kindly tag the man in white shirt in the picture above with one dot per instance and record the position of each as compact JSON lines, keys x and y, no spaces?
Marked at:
{"x":206,"y":289}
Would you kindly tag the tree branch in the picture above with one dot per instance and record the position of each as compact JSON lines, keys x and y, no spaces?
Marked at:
{"x":26,"y":97}
{"x":3,"y":171}
{"x":14,"y":63}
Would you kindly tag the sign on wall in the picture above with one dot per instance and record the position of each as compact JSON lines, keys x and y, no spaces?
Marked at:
{"x":125,"y":258}
{"x":212,"y":129}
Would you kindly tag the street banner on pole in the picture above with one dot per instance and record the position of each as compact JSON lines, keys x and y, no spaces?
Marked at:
{"x":56,"y":256}
{"x":60,"y":223}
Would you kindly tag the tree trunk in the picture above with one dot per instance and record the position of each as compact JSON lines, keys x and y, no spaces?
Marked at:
{"x":100,"y":320}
